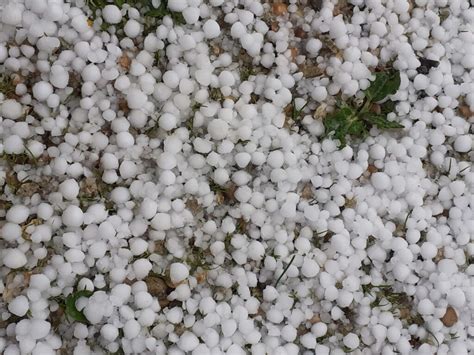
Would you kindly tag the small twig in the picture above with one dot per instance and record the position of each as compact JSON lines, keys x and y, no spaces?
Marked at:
{"x":449,"y":167}
{"x":406,"y":219}
{"x":285,"y":270}
{"x":434,"y":337}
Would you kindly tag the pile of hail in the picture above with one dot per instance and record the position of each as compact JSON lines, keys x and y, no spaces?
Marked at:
{"x":170,"y":184}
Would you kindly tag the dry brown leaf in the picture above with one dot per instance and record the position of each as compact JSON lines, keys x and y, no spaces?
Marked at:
{"x":450,"y":317}
{"x":158,"y":288}
{"x":465,"y":111}
{"x":124,"y":61}
{"x":307,"y":192}
{"x":279,"y":9}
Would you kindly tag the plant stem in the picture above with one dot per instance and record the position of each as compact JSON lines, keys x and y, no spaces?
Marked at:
{"x":285,"y":270}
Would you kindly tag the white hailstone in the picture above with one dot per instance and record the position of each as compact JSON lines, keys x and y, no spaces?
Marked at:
{"x":308,"y":341}
{"x":59,"y":76}
{"x":42,"y":90}
{"x":310,"y":268}
{"x":69,"y":189}
{"x":188,"y":341}
{"x":128,"y":169}
{"x":288,"y":333}
{"x":125,"y":140}
{"x":178,"y":272}
{"x":138,"y":246}
{"x":148,"y":208}
{"x":351,"y":340}
{"x":143,"y":299}
{"x":426,"y":307}
{"x":276,"y":159}
{"x":18,"y":214}
{"x":141,"y":268}
{"x":463,"y":143}
{"x":319,"y":329}
{"x":11,"y":109}
{"x":109,"y":161}
{"x":381,"y":181}
{"x":109,"y":332}
{"x":421,"y":82}
{"x":211,"y":29}
{"x":131,"y":329}
{"x":177,"y":5}
{"x":319,"y":93}
{"x":13,"y":144}
{"x":132,"y":28}
{"x":175,"y":315}
{"x":73,"y":216}
{"x":456,"y":297}
{"x":112,"y":14}
{"x":167,"y":121}
{"x":166,"y":161}
{"x":313,"y":46}
{"x":19,"y":306}
{"x":161,"y":221}
{"x":256,"y":250}
{"x":39,"y":329}
{"x":91,"y":73}
{"x":377,"y":151}
{"x":218,"y":129}
{"x":11,"y":14}
{"x":228,"y":327}
{"x":14,"y":258}
{"x":136,"y":99}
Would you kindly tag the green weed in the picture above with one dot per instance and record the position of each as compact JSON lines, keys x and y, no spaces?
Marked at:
{"x":349,"y":120}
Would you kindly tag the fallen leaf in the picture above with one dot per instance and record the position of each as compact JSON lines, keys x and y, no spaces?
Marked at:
{"x":450,"y":317}
{"x":279,"y":9}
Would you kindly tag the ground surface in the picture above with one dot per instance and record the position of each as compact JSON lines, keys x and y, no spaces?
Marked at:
{"x":232,"y":177}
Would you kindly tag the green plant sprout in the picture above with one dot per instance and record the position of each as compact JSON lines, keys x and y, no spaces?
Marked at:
{"x":357,"y":121}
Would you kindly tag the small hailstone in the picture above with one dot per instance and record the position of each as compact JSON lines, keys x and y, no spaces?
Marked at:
{"x":69,"y":189}
{"x":380,"y":181}
{"x":167,"y":121}
{"x":188,"y":341}
{"x":178,"y":272}
{"x":256,"y":250}
{"x":19,"y":306}
{"x":39,"y":328}
{"x":351,"y":340}
{"x":11,"y":109}
{"x":112,"y":14}
{"x":463,"y":144}
{"x":132,"y":28}
{"x":313,"y":46}
{"x":42,"y":90}
{"x":73,"y":216}
{"x":109,"y":332}
{"x":13,"y":144}
{"x":228,"y":327}
{"x":141,"y":267}
{"x":211,"y":29}
{"x":308,"y":341}
{"x":421,"y":82}
{"x":91,"y":73}
{"x":125,"y":140}
{"x":18,"y":214}
{"x":14,"y":258}
{"x":310,"y":268}
{"x":426,"y":307}
{"x":218,"y":129}
{"x":177,"y":5}
{"x":166,"y":161}
{"x":136,"y":99}
{"x":11,"y":14}
{"x":131,"y":329}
